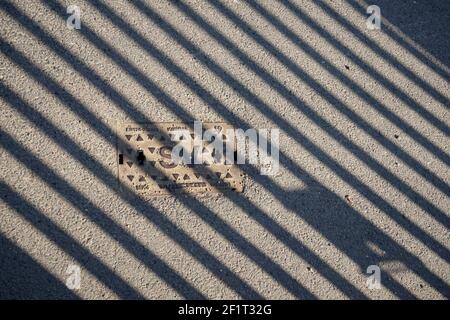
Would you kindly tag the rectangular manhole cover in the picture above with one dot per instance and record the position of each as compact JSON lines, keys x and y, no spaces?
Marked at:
{"x":145,"y":164}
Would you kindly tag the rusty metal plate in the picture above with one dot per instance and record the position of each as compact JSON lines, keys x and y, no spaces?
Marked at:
{"x":145,"y":165}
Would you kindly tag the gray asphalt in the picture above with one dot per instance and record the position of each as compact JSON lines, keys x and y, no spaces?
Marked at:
{"x":364,"y":149}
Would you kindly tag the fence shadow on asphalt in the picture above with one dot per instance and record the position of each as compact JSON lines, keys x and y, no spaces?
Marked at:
{"x":316,"y":211}
{"x":378,"y":201}
{"x":263,"y":261}
{"x":95,"y":214}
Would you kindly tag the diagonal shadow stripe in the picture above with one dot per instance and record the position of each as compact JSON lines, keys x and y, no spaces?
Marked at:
{"x":67,"y":243}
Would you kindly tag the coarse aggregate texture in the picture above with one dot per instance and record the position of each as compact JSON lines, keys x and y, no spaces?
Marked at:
{"x":364,"y":149}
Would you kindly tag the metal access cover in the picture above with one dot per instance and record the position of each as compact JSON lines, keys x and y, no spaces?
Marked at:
{"x":145,"y":165}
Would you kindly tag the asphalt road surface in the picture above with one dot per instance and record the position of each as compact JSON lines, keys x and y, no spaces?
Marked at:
{"x":363,"y":185}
